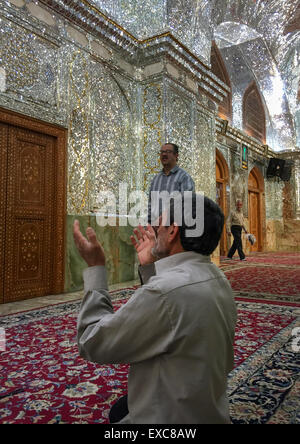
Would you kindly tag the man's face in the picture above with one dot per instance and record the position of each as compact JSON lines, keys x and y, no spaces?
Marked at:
{"x":168,"y":156}
{"x":239,"y":206}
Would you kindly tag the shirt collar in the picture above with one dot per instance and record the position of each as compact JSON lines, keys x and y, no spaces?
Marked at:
{"x":173,"y":170}
{"x":167,"y":263}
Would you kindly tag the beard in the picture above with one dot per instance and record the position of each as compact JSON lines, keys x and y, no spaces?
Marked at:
{"x":160,"y":250}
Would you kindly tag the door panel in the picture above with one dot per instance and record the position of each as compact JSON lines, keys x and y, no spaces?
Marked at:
{"x":29,"y":215}
{"x":220,"y":202}
{"x":220,"y":194}
{"x":3,"y":177}
{"x":254,"y":218}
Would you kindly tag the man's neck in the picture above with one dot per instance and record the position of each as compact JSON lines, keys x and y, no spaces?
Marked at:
{"x":178,"y":248}
{"x":174,"y":250}
{"x":168,"y":168}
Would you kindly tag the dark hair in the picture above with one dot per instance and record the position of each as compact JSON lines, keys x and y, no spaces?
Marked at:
{"x":175,"y":147}
{"x":213,"y":226}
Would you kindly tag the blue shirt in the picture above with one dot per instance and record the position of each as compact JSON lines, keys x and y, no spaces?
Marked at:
{"x":176,"y":180}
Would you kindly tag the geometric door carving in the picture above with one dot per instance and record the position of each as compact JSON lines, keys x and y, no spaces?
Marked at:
{"x":222,"y":177}
{"x":3,"y":165}
{"x":255,"y":207}
{"x":254,"y":218}
{"x":32,"y":191}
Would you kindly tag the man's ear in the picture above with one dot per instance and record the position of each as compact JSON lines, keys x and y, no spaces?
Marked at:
{"x":173,"y":231}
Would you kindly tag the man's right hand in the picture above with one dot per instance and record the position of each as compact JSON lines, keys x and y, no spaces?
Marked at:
{"x":89,"y":249}
{"x":144,"y":243}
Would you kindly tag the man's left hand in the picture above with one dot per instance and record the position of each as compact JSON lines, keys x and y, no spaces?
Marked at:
{"x":144,"y":244}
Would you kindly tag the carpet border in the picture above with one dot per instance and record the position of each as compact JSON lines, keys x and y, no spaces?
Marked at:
{"x":267,"y":301}
{"x":65,"y":302}
{"x":258,"y":358}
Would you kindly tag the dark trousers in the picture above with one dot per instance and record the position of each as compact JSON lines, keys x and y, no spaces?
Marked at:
{"x":119,"y":410}
{"x":236,"y":231}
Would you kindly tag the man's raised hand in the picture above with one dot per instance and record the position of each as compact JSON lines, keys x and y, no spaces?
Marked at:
{"x":89,"y":249}
{"x":144,"y":243}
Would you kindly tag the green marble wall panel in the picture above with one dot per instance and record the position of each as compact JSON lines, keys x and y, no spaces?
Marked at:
{"x":120,"y":254}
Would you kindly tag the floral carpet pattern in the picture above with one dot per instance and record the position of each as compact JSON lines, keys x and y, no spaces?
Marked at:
{"x":269,"y":280}
{"x":266,"y":382}
{"x":42,"y":377}
{"x":265,"y":388}
{"x":43,"y":380}
{"x":265,"y":276}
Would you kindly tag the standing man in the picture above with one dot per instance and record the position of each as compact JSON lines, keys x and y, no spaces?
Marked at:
{"x":176,"y":331}
{"x":235,"y":225}
{"x":172,"y":178}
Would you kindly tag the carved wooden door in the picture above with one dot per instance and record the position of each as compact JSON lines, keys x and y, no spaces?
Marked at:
{"x":220,"y":202}
{"x":3,"y":167}
{"x":28,"y":217}
{"x":254,"y":217}
{"x":220,"y":199}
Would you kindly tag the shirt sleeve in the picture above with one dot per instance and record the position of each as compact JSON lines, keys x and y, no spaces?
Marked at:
{"x":139,"y":330}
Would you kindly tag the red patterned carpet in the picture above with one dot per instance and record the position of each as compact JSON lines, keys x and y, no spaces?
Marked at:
{"x":285,"y":281}
{"x":43,"y":380}
{"x":275,"y":259}
{"x":265,"y":276}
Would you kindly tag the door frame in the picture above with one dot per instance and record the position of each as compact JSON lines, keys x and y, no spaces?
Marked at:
{"x":261,"y":204}
{"x":12,"y":118}
{"x":223,"y":167}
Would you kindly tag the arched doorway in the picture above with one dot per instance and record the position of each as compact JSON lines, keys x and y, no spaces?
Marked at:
{"x":222,"y":175}
{"x":255,"y":206}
